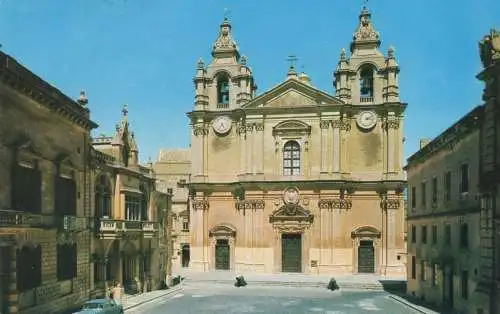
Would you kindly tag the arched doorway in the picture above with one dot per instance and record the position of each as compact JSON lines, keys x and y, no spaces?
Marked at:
{"x":365,"y":244}
{"x":185,"y":255}
{"x":222,"y":240}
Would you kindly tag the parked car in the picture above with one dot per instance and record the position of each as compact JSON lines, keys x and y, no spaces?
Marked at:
{"x":101,"y":306}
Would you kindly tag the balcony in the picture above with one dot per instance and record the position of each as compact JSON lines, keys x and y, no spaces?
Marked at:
{"x":108,"y":228}
{"x":149,"y":229}
{"x":73,"y":223}
{"x":17,"y":219}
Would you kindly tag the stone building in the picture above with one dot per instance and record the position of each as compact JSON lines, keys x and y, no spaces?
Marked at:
{"x":443,"y":216}
{"x":173,"y":168}
{"x":488,"y":292}
{"x":44,"y":194}
{"x":125,"y":245}
{"x":296,"y":179}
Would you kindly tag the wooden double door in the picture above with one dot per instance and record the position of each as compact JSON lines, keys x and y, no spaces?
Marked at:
{"x":291,"y":253}
{"x":366,"y":257}
{"x":222,"y":255}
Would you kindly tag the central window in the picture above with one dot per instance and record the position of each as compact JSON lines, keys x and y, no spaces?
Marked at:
{"x":133,"y":207}
{"x":291,"y":158}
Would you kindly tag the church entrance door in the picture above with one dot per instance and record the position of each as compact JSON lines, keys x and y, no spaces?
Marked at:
{"x":185,"y":255}
{"x":366,"y":257}
{"x":291,"y":253}
{"x":222,"y":254}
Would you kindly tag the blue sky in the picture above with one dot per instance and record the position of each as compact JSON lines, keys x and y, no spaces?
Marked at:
{"x":144,"y":53}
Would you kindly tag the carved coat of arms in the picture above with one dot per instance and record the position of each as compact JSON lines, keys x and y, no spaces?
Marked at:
{"x":291,"y":196}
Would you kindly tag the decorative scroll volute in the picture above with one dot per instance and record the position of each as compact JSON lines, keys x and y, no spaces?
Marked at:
{"x":201,"y":205}
{"x":340,"y":203}
{"x":244,"y":205}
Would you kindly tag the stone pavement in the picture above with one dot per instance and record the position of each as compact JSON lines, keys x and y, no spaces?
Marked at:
{"x":355,"y":282}
{"x":268,"y":299}
{"x":132,"y":301}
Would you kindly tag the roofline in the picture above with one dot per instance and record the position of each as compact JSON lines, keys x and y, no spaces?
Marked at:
{"x":449,"y":135}
{"x":15,"y":75}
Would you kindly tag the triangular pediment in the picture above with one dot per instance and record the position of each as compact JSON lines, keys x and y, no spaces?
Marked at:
{"x":292,"y":94}
{"x":291,"y":212}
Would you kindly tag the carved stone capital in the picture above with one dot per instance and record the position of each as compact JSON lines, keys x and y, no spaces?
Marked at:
{"x":341,"y":124}
{"x":245,"y":205}
{"x":200,"y":130}
{"x":391,"y":124}
{"x":325,"y":124}
{"x":259,"y":126}
{"x":241,"y":129}
{"x":201,"y":205}
{"x":249,"y":127}
{"x":390,"y":204}
{"x":340,"y":203}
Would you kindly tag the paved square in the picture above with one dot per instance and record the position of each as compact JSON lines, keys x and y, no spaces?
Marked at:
{"x":227,"y":299}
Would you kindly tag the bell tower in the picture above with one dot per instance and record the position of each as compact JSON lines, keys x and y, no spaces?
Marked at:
{"x":227,"y":82}
{"x":367,"y":77}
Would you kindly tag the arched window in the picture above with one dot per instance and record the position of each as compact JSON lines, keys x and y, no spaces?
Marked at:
{"x":102,"y":197}
{"x":144,"y":203}
{"x":223,"y":92}
{"x":366,"y":83}
{"x":291,"y":158}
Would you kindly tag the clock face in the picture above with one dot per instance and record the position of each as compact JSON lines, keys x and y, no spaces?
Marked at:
{"x":367,"y":119}
{"x":221,"y":125}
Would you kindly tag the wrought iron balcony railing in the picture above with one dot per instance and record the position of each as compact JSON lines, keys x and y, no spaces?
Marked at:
{"x":18,"y":219}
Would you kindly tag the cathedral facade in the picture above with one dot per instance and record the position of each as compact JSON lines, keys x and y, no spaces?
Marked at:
{"x":296,"y":179}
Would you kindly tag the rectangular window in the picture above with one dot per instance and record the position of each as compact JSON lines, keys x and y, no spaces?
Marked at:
{"x":434,"y":234}
{"x":423,"y":194}
{"x":434,"y":190}
{"x":185,"y":224}
{"x":464,"y":236}
{"x":447,"y":235}
{"x":447,"y":186}
{"x":413,"y":267}
{"x":413,"y":197}
{"x":434,"y":274}
{"x":464,"y":284}
{"x":132,"y":207}
{"x":65,"y":196}
{"x":413,"y":234}
{"x":422,"y":270}
{"x":424,"y":234}
{"x":464,"y":178}
{"x":66,"y":261}
{"x":26,"y":189}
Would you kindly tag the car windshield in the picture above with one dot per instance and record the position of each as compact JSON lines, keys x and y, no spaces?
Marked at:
{"x":92,"y":306}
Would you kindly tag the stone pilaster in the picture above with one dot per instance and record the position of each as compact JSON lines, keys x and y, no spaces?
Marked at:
{"x":249,"y":148}
{"x":259,"y":148}
{"x":336,"y":147}
{"x":243,"y":147}
{"x":324,"y":125}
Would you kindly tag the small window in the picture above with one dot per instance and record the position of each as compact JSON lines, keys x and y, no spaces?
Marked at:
{"x":447,"y":186}
{"x":424,"y":234}
{"x":413,"y":197}
{"x":434,"y":234}
{"x":413,"y":267}
{"x":65,"y":196}
{"x":423,"y":196}
{"x":413,"y":234}
{"x":422,"y":271}
{"x":185,"y":224}
{"x":464,"y":236}
{"x":434,"y":190}
{"x":26,"y":189}
{"x":464,"y":178}
{"x":447,"y":235}
{"x":291,"y":159}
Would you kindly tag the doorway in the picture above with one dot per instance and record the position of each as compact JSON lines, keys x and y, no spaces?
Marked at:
{"x":366,"y":257}
{"x":448,"y":287}
{"x":291,"y":253}
{"x":5,"y":260}
{"x":185,"y":255}
{"x":222,"y":254}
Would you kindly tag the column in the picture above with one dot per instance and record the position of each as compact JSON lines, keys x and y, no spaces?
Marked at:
{"x":243,"y":146}
{"x":324,"y":144}
{"x":249,"y":148}
{"x":259,"y":147}
{"x":336,"y":146}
